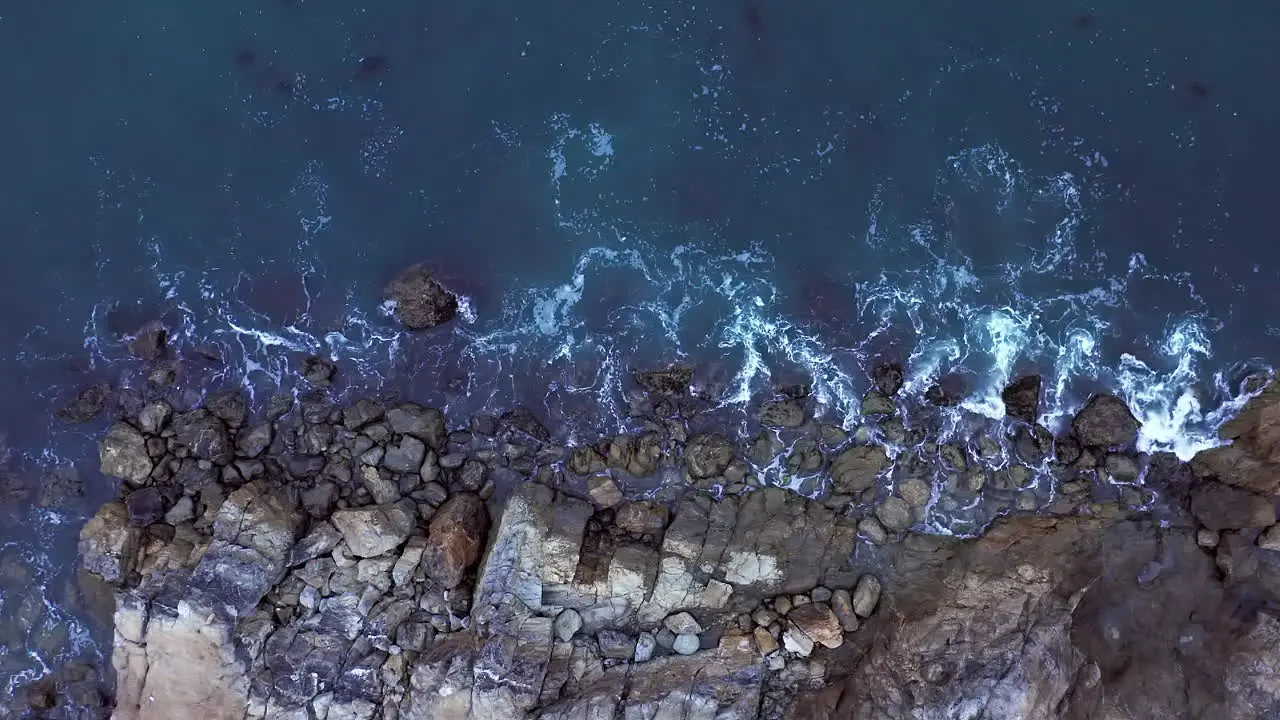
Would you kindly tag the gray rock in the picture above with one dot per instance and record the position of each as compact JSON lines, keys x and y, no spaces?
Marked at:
{"x":672,"y":381}
{"x":320,"y":540}
{"x":873,"y":530}
{"x":855,"y":469}
{"x":646,"y":644}
{"x":682,"y":623}
{"x":782,"y":413}
{"x":842,"y":606}
{"x":87,"y":404}
{"x":686,"y":644}
{"x":204,"y":435}
{"x":123,"y":454}
{"x":373,"y":530}
{"x":866,"y":595}
{"x":182,"y":511}
{"x":108,"y":543}
{"x":255,"y":440}
{"x":915,"y":491}
{"x":874,"y":403}
{"x":604,"y":491}
{"x":423,"y":423}
{"x":642,"y":517}
{"x":406,"y":457}
{"x":567,"y":624}
{"x":796,"y":642}
{"x":895,"y":514}
{"x":522,"y":419}
{"x":888,"y":378}
{"x":1022,"y":398}
{"x":146,"y":506}
{"x":229,"y":406}
{"x":616,"y":645}
{"x":363,"y":412}
{"x":1105,"y":422}
{"x":154,"y":416}
{"x":1122,"y":467}
{"x":318,"y":371}
{"x":708,"y":455}
{"x":253,"y":533}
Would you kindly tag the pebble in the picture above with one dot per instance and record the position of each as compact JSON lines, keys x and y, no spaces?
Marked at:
{"x":686,"y":644}
{"x":567,"y":624}
{"x":645,"y":645}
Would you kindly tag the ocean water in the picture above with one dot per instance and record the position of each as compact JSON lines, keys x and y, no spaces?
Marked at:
{"x":772,"y":192}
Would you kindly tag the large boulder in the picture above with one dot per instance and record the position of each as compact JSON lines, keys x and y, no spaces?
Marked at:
{"x":708,"y":455}
{"x":109,"y":543}
{"x":1222,"y":507}
{"x":204,"y":435}
{"x":1252,"y":459}
{"x":1105,"y":421}
{"x":855,"y":469}
{"x":1022,"y":398}
{"x":123,"y":454}
{"x":374,"y":530}
{"x":421,"y":303}
{"x":455,"y":539}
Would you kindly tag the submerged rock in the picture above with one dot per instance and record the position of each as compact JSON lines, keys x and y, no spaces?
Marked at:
{"x":672,"y":381}
{"x":1022,"y":398}
{"x":420,"y":302}
{"x":149,"y":342}
{"x":87,"y":405}
{"x":888,"y":378}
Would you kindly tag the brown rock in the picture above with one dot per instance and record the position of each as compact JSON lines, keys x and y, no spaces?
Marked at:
{"x":643,"y":517}
{"x":842,"y":606}
{"x":765,"y":642}
{"x":1221,"y":507}
{"x":108,"y":543}
{"x":818,"y":622}
{"x":708,"y":455}
{"x":455,"y":539}
{"x":855,"y":469}
{"x":1105,"y":422}
{"x":1022,"y":398}
{"x":421,"y":303}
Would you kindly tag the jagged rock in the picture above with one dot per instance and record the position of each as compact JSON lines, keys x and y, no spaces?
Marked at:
{"x":1022,"y":398}
{"x":420,"y":303}
{"x":888,"y":378}
{"x":855,"y":469}
{"x":866,"y":595}
{"x":1105,"y":422}
{"x":229,"y":406}
{"x":586,"y":461}
{"x":425,"y":424}
{"x":796,"y":642}
{"x":708,"y":455}
{"x":642,"y":517}
{"x":1252,"y":459}
{"x":672,"y":381}
{"x":875,"y":403}
{"x":895,"y":514}
{"x":686,"y":644}
{"x":567,"y":624}
{"x":616,"y":645}
{"x":255,"y":440}
{"x":818,"y":622}
{"x":320,"y":540}
{"x":682,"y":623}
{"x":457,"y":535}
{"x":123,"y":454}
{"x":204,"y":435}
{"x":87,"y":405}
{"x":1270,"y":539}
{"x":782,"y":413}
{"x":406,"y":457}
{"x":108,"y":543}
{"x":373,"y":530}
{"x":149,"y":342}
{"x":1122,"y":468}
{"x":1222,"y":507}
{"x":646,"y":644}
{"x":146,"y":506}
{"x":604,"y":491}
{"x":805,"y":457}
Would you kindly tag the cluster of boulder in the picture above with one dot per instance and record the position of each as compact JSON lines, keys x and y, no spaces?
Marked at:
{"x":369,"y":561}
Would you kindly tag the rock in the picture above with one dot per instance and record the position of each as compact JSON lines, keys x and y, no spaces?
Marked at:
{"x":818,"y":622}
{"x":255,"y":440}
{"x":915,"y":491}
{"x":604,"y":491}
{"x":406,"y":457}
{"x":229,"y":406}
{"x":1222,"y":507}
{"x":320,"y":540}
{"x":146,"y":506}
{"x":149,"y":342}
{"x":842,"y":606}
{"x":646,"y":644}
{"x":707,"y":455}
{"x":873,"y":530}
{"x":471,"y":477}
{"x":1270,"y":539}
{"x":686,"y":644}
{"x":1032,"y":443}
{"x":182,"y":511}
{"x":425,"y":424}
{"x":796,"y":642}
{"x":204,"y":435}
{"x":123,"y":454}
{"x":782,"y":413}
{"x":888,"y":378}
{"x":318,"y":371}
{"x":366,"y":411}
{"x":567,"y":624}
{"x":866,"y":595}
{"x":522,"y":419}
{"x":855,"y":469}
{"x":672,"y":381}
{"x":1066,"y":449}
{"x":875,"y":403}
{"x":108,"y":543}
{"x":1105,"y":422}
{"x":87,"y":405}
{"x":455,"y":539}
{"x":371,"y":531}
{"x":1022,"y":398}
{"x":1207,"y":538}
{"x":586,"y":461}
{"x":943,"y":397}
{"x":895,"y":514}
{"x":1122,"y":468}
{"x":642,"y":517}
{"x":682,"y":623}
{"x":419,"y":302}
{"x":765,"y":642}
{"x":616,"y":645}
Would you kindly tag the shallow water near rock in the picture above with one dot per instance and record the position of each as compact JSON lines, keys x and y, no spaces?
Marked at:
{"x":770,"y":195}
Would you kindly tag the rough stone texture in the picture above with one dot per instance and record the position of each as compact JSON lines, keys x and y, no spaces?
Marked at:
{"x":818,"y":622}
{"x":108,"y":543}
{"x":1022,"y":398}
{"x":455,"y":539}
{"x":672,"y":381}
{"x":855,"y":469}
{"x":708,"y":455}
{"x":123,"y":453}
{"x":1105,"y":422}
{"x":421,"y":303}
{"x":371,"y":531}
{"x":888,"y":378}
{"x":87,"y":404}
{"x":1250,"y":460}
{"x":782,"y":413}
{"x":1222,"y":507}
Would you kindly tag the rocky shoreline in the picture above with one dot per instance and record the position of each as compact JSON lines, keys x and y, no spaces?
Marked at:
{"x":365,"y":560}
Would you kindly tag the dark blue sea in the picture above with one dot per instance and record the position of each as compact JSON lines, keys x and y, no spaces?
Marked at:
{"x":774,"y":192}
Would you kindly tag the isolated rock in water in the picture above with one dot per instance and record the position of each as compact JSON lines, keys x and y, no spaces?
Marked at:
{"x":888,"y":378}
{"x":149,"y":342}
{"x":109,"y":544}
{"x":672,"y":381}
{"x":123,"y":454}
{"x":318,"y":371}
{"x":708,"y":455}
{"x":782,"y":413}
{"x":1105,"y":422}
{"x":373,"y":530}
{"x":855,"y":469}
{"x":87,"y":405}
{"x":421,"y":303}
{"x":455,"y":538}
{"x":1022,"y":398}
{"x":1221,"y":507}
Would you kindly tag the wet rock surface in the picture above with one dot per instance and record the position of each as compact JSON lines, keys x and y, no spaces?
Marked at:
{"x":368,"y":561}
{"x":421,"y":302}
